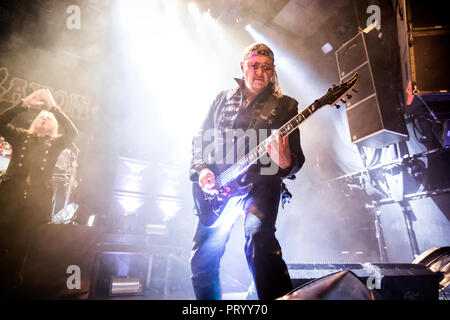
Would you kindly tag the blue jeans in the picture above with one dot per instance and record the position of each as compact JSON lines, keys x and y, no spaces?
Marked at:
{"x":262,"y":250}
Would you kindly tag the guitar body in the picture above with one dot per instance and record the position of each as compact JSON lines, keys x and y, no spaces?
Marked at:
{"x":210,"y":208}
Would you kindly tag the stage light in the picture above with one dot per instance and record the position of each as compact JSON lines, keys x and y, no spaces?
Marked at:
{"x":169,"y":207}
{"x":214,"y":11}
{"x":248,"y":27}
{"x":125,"y":286}
{"x":131,"y":175}
{"x":91,"y":220}
{"x":207,"y":15}
{"x":135,"y":168}
{"x":194,"y":10}
{"x":326,"y":48}
{"x":131,"y":204}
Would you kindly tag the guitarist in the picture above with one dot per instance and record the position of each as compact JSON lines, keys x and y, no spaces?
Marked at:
{"x":256,"y":103}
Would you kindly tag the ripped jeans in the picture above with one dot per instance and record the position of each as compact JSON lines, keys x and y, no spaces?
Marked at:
{"x":262,"y":250}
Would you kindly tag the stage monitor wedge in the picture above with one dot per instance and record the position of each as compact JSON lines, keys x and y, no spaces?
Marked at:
{"x":391,"y":281}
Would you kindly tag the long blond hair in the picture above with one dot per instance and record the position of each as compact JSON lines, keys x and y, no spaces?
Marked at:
{"x":54,"y":132}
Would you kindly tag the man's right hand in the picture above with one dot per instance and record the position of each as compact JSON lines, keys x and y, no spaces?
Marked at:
{"x":39,"y":99}
{"x":207,"y":182}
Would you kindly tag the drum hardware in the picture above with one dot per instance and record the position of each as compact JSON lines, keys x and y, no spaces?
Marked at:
{"x":68,"y":162}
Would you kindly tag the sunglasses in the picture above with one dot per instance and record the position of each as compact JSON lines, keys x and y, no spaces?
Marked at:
{"x":264,"y":67}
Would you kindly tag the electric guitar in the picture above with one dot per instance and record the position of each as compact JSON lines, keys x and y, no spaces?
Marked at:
{"x":231,"y":183}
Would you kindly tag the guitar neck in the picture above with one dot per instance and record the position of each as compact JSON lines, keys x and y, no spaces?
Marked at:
{"x":245,"y":162}
{"x":332,"y":96}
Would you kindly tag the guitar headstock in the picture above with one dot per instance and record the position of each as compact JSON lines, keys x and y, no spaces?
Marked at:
{"x":336,"y":93}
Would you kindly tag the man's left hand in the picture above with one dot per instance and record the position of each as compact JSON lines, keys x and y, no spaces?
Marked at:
{"x":279,"y":151}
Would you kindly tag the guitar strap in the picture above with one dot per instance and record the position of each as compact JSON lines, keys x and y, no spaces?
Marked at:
{"x":266,"y":115}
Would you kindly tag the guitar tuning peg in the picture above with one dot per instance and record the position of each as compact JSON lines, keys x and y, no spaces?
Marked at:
{"x":355,"y":91}
{"x":334,"y":85}
{"x":343,"y":101}
{"x":349,"y":96}
{"x":337,"y":106}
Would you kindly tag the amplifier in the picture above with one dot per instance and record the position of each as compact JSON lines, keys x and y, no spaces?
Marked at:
{"x":59,"y":262}
{"x":423,"y":37}
{"x":391,"y":281}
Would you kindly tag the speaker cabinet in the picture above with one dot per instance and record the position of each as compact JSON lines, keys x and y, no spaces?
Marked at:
{"x":60,"y":262}
{"x":424,"y":41}
{"x":373,"y":113}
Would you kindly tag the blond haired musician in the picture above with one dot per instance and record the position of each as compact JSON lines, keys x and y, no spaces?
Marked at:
{"x":26,"y":187}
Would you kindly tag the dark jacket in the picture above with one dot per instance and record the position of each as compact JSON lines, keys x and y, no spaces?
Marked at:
{"x":28,"y":179}
{"x":226,"y":112}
